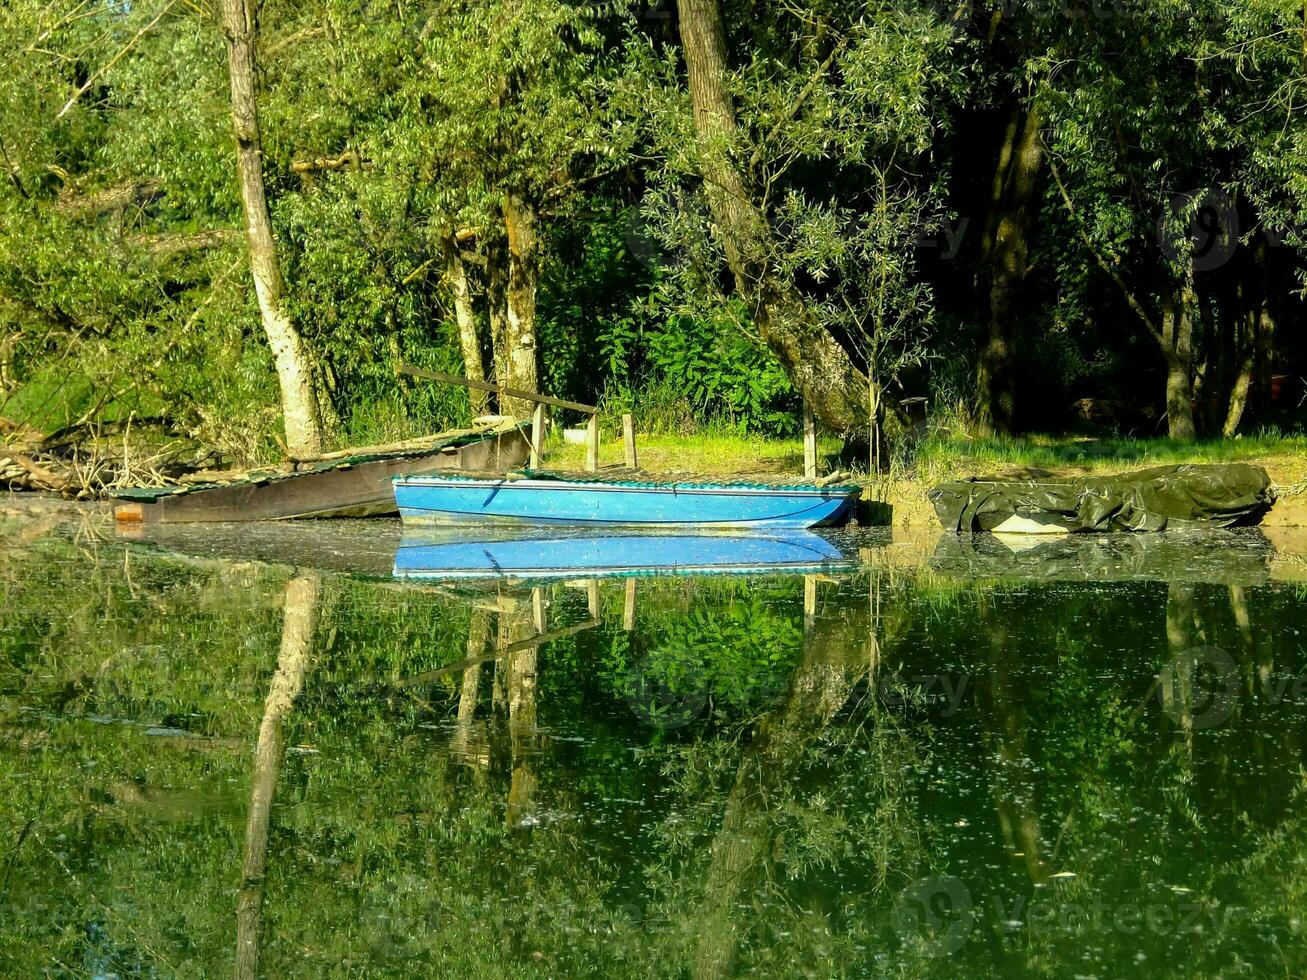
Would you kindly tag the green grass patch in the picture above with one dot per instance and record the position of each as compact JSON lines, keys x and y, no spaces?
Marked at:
{"x":937,"y":459}
{"x":932,"y":461}
{"x":708,"y":453}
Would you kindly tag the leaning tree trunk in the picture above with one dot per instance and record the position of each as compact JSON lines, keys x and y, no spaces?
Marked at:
{"x":299,"y":399}
{"x":1015,"y":203}
{"x":520,"y":357}
{"x":814,"y":361}
{"x":469,"y":340}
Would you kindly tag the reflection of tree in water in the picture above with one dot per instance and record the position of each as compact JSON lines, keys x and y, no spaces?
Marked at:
{"x":1003,"y":714}
{"x":299,"y":624}
{"x":804,"y":794}
{"x":773,"y":830}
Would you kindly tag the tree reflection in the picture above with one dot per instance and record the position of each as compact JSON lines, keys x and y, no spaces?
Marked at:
{"x":299,"y":624}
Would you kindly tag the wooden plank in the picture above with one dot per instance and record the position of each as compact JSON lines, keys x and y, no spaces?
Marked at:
{"x":592,"y":444}
{"x":537,"y":435}
{"x":530,"y":396}
{"x":628,"y":438}
{"x":809,"y":442}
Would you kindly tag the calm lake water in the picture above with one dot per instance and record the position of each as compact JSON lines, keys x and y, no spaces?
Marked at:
{"x":1081,"y":761}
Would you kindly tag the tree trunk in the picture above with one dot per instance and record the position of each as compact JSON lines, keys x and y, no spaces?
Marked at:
{"x":521,"y":353}
{"x":1015,"y":202}
{"x":1264,"y":358}
{"x":299,"y":623}
{"x":299,"y":399}
{"x":814,"y":361}
{"x":1243,"y":379}
{"x":1177,"y":348}
{"x":469,"y":340}
{"x":7,"y":379}
{"x":469,"y":743}
{"x":520,"y":690}
{"x":497,"y":308}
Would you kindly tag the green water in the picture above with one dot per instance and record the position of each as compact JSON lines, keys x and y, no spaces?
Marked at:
{"x":1088,"y":764}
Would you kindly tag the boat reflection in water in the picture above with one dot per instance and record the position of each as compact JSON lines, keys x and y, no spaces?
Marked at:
{"x":556,"y":552}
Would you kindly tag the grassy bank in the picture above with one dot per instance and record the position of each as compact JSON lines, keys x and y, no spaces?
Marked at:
{"x":938,"y":459}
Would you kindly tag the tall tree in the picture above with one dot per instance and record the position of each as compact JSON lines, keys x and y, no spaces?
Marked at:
{"x":820,"y":368}
{"x":299,"y":395}
{"x":1005,"y":262}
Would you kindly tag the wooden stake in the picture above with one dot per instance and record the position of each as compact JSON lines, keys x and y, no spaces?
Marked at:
{"x":537,"y":435}
{"x":592,"y":598}
{"x":628,"y":436}
{"x":538,"y":609}
{"x":809,"y":596}
{"x":809,"y":442}
{"x":592,"y":444}
{"x":628,"y":611}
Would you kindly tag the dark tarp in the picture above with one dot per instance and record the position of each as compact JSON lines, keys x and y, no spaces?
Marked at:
{"x":1191,"y":495}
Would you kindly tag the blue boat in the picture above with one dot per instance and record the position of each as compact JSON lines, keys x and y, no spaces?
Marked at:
{"x":480,"y":500}
{"x":571,"y":555}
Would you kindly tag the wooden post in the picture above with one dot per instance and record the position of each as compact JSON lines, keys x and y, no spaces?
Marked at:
{"x":592,"y":444}
{"x":592,"y":598}
{"x":628,"y":610}
{"x":628,"y":436}
{"x":809,"y":443}
{"x":809,"y":597}
{"x":537,"y":435}
{"x":538,"y":609}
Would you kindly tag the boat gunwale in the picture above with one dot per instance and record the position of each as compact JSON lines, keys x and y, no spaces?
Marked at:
{"x":760,"y":568}
{"x":752,"y":490}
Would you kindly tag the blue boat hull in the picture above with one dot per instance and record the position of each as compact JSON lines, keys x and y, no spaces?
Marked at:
{"x":591,"y":556}
{"x":432,"y":500}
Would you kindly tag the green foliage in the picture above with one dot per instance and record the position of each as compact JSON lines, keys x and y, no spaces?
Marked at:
{"x":124,"y":293}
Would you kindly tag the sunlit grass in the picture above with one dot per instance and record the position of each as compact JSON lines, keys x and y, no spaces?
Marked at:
{"x":934,"y":460}
{"x":940,"y":458}
{"x":709,"y":453}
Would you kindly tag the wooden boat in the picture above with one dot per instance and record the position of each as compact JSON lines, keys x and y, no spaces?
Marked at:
{"x":548,"y":499}
{"x":559,"y":554}
{"x":354,"y":485}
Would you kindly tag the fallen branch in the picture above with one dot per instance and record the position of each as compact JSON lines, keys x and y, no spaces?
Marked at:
{"x":109,"y":199}
{"x":172,"y":243}
{"x":52,"y":481}
{"x":349,"y":160}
